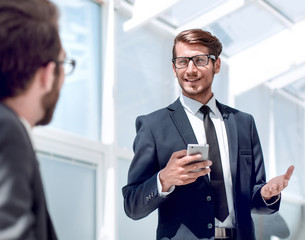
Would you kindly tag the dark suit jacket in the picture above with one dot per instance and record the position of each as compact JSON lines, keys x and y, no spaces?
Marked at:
{"x":187,"y":213}
{"x":23,"y":211}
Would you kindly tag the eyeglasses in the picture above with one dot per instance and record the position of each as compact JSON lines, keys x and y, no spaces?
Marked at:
{"x":68,"y":65}
{"x":199,"y":60}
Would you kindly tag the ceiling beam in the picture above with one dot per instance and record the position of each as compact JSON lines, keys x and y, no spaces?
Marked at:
{"x":144,"y":11}
{"x":271,"y":9}
{"x":126,"y":9}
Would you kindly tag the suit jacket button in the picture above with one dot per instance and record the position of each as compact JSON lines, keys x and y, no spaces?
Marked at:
{"x":210,"y":226}
{"x":209,"y":198}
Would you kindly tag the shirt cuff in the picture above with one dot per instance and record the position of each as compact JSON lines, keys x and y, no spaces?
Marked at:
{"x":272,"y":200}
{"x":163,"y":194}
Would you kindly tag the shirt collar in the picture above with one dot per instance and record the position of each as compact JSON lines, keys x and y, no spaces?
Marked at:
{"x":27,"y":126}
{"x":193,"y":106}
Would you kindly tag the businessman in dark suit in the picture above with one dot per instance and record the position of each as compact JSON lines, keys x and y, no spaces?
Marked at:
{"x":160,"y":176}
{"x":32,"y":69}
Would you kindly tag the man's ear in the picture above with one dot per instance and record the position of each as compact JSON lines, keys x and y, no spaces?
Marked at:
{"x":217,"y":65}
{"x":174,"y":69}
{"x":47,"y":76}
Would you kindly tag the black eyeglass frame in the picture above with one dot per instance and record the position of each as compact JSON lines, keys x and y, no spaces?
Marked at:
{"x":69,"y":61}
{"x":191,"y":58}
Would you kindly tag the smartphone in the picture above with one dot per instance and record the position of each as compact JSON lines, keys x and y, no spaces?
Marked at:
{"x":203,"y":149}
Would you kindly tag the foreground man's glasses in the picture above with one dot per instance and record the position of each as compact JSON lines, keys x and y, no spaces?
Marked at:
{"x":68,"y":64}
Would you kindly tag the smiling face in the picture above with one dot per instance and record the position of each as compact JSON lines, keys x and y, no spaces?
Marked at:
{"x":195,"y":82}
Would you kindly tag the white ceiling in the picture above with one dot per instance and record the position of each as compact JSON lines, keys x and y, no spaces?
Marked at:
{"x":238,"y":23}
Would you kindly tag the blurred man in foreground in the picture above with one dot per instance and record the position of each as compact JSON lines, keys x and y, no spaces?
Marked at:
{"x":32,"y":69}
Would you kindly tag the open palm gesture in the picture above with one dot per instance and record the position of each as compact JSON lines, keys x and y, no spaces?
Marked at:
{"x":276,"y":184}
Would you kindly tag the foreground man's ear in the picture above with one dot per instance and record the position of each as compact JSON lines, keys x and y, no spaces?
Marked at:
{"x":47,"y":76}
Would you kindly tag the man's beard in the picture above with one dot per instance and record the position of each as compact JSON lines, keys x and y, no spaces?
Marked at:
{"x":48,"y":102}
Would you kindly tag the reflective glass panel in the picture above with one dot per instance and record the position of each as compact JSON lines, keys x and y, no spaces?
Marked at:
{"x":79,"y":106}
{"x":293,"y":9}
{"x":70,"y":188}
{"x":297,"y":89}
{"x":130,"y":1}
{"x":187,"y":10}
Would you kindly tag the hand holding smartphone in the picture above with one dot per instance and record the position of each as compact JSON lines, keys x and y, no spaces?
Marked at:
{"x":202,"y":149}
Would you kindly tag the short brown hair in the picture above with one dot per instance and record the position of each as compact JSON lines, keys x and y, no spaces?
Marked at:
{"x":29,"y":39}
{"x":199,"y":36}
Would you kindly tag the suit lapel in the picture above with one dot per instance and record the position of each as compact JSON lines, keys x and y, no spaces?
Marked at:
{"x":231,"y":129}
{"x":182,"y":123}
